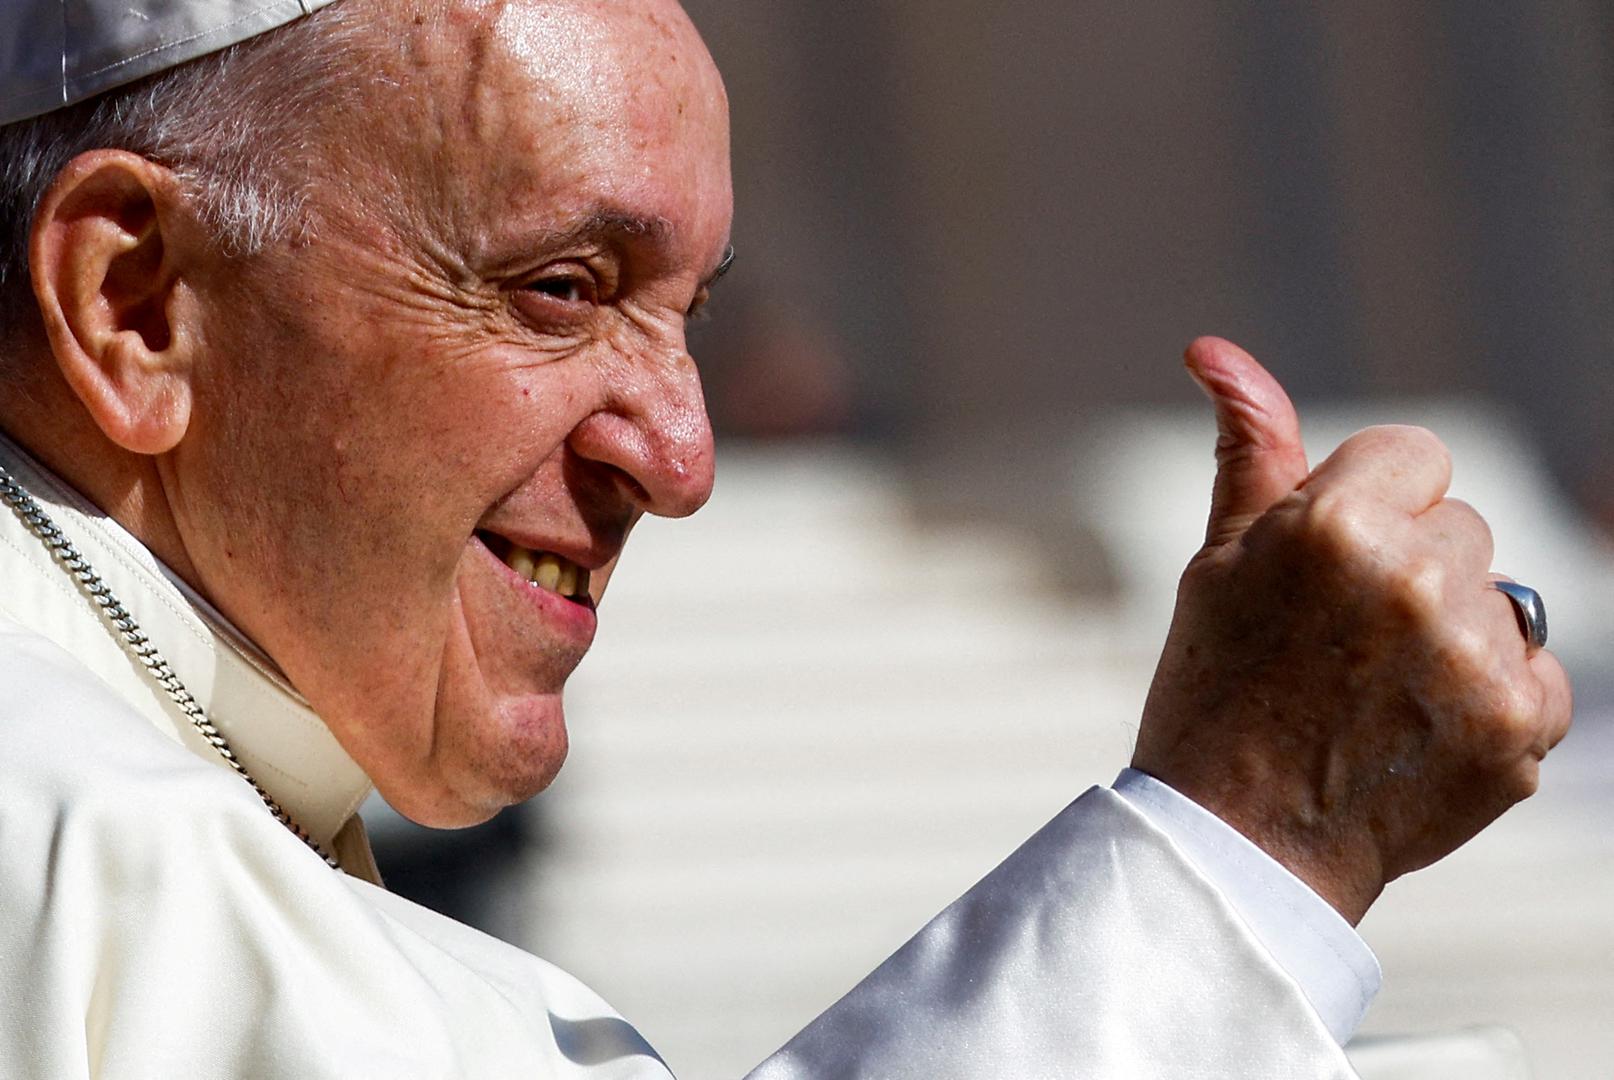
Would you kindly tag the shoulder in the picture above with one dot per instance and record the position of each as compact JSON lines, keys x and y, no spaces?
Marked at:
{"x":81,"y":764}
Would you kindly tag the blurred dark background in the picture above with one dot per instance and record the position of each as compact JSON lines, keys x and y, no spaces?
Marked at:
{"x":964,"y":228}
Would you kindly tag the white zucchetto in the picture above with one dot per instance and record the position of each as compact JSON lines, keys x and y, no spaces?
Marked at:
{"x":55,"y":53}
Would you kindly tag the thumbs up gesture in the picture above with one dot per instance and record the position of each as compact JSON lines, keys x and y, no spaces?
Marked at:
{"x":1341,"y":683}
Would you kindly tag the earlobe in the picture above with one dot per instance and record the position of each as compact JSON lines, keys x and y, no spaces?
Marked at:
{"x":106,"y":276}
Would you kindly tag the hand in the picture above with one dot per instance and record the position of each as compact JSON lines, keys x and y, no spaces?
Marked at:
{"x":1340,"y":682}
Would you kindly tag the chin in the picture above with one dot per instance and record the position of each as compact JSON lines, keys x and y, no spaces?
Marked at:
{"x":480,"y":767}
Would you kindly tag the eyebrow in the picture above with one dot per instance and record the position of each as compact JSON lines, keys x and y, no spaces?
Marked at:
{"x":605,"y":224}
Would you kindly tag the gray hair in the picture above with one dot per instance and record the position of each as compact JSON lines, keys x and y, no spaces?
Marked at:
{"x":233,"y":126}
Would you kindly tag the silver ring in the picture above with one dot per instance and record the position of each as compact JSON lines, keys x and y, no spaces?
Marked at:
{"x":1530,"y":609}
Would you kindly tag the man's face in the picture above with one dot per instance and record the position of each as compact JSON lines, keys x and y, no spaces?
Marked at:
{"x":478,"y":359}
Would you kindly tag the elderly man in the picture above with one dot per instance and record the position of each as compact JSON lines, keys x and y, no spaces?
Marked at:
{"x":342,"y":352}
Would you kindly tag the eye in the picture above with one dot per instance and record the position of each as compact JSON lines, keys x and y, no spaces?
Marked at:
{"x":571,"y":287}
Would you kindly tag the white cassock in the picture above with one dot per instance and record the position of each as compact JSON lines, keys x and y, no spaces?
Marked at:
{"x":157,"y":922}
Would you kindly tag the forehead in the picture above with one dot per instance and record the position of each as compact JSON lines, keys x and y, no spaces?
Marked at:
{"x":549,"y":109}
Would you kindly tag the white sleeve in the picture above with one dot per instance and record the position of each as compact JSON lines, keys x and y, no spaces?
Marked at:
{"x":1310,"y":940}
{"x":1096,"y":949}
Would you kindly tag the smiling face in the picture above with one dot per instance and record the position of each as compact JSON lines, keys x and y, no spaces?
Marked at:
{"x":474,"y":374}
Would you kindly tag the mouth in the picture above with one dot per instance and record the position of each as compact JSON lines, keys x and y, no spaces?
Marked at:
{"x":542,"y":570}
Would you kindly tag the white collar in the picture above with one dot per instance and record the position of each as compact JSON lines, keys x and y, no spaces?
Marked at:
{"x":282,"y":743}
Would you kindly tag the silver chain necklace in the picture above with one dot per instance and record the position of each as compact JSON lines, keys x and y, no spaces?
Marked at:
{"x":138,"y":645}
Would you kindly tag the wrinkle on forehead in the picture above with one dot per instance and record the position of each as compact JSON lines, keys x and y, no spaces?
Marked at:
{"x":569,"y":62}
{"x":509,"y":110}
{"x":632,"y":73}
{"x":577,"y":58}
{"x":559,"y":44}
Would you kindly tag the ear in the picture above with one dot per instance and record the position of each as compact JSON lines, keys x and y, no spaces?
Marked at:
{"x":106,"y":269}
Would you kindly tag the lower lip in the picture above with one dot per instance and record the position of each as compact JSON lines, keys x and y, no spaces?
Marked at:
{"x":573,"y":620}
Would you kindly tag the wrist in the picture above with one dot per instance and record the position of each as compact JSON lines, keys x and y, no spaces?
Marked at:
{"x":1340,"y":863}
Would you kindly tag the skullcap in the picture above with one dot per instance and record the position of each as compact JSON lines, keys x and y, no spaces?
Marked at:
{"x":55,"y":53}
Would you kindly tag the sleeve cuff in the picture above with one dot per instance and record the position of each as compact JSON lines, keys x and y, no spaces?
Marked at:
{"x":1309,"y":939}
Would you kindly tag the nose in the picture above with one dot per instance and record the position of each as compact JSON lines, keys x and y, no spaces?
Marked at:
{"x":654,"y":431}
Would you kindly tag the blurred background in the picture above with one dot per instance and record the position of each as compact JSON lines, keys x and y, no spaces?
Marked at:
{"x":961,"y":469}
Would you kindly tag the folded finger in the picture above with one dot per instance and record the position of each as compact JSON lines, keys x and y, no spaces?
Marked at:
{"x":1405,"y":467}
{"x":1456,"y":529}
{"x":1558,"y":696}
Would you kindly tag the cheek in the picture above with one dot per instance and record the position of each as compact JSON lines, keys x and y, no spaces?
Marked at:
{"x":354,"y":469}
{"x":432,"y":452}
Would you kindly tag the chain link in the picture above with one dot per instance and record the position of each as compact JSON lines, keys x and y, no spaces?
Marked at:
{"x":138,"y":645}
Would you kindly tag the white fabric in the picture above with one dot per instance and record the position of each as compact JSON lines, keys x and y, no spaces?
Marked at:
{"x":276,"y":735}
{"x":156,"y":921}
{"x":59,"y":52}
{"x":1092,"y":951}
{"x":1336,"y":970}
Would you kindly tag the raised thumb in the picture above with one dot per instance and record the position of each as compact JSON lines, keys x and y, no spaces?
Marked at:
{"x":1259,"y":456}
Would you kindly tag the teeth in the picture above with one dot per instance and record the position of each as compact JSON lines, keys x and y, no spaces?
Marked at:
{"x":547,"y":576}
{"x":548,"y":571}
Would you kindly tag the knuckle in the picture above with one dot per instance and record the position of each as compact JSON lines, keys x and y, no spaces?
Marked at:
{"x":1463,"y":535}
{"x":1549,"y":671}
{"x":1514,"y":718}
{"x":1519,"y":715}
{"x":1335,"y":525}
{"x":1465,"y":510}
{"x":1523,"y":781}
{"x":1368,"y":440}
{"x":1399,"y":439}
{"x":1469,"y":520}
{"x":1416,"y":590}
{"x":1417,"y":442}
{"x":1466,"y":652}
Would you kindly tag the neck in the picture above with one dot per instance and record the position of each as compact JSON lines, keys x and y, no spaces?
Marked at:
{"x":40,"y":412}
